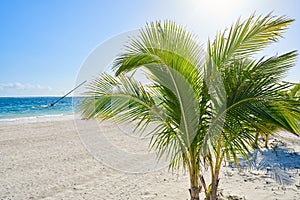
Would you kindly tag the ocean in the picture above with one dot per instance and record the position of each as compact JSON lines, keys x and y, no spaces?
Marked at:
{"x":28,"y":109}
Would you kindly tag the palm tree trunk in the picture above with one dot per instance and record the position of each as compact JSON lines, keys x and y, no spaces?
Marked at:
{"x":266,"y":140}
{"x":194,"y":177}
{"x":194,"y":183}
{"x":256,"y":140}
{"x":215,"y":171}
{"x":214,"y":186}
{"x":203,"y":182}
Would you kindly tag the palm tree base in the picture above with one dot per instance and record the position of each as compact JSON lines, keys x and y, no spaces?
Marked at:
{"x":194,"y":192}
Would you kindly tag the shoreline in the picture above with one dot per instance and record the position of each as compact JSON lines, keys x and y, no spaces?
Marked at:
{"x":36,"y":119}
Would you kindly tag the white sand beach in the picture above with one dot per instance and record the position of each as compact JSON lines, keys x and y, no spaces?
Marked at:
{"x":47,"y":160}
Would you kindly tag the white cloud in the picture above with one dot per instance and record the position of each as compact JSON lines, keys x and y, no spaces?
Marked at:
{"x":24,"y":89}
{"x":21,"y":87}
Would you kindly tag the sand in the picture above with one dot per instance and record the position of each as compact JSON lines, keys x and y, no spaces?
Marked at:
{"x":51,"y":160}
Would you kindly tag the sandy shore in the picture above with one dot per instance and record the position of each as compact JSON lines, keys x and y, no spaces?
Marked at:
{"x":47,"y":160}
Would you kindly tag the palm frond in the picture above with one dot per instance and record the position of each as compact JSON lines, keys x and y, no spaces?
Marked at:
{"x":274,"y":67}
{"x":186,"y":102}
{"x":164,"y":44}
{"x":122,"y":99}
{"x":248,"y":37}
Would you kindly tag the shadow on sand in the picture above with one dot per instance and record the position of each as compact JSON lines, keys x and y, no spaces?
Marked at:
{"x":278,"y":161}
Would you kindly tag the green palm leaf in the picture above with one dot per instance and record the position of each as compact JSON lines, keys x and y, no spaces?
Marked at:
{"x":123,"y":99}
{"x":248,"y":37}
{"x":187,"y":103}
{"x":164,"y":44}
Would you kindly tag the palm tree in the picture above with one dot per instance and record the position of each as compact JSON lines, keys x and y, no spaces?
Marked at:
{"x":175,"y":101}
{"x":206,"y":106}
{"x":253,"y":88}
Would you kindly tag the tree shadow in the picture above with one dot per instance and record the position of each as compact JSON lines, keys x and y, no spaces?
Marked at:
{"x":278,"y":162}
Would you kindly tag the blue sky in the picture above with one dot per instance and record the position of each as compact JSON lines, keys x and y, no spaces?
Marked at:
{"x":44,"y":43}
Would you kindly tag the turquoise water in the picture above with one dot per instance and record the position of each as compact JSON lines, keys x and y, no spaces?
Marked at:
{"x":15,"y":107}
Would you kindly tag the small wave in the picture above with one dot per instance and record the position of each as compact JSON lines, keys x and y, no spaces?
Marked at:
{"x":35,"y":119}
{"x":44,"y":106}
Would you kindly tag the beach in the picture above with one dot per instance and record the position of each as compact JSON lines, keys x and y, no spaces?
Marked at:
{"x":48,"y":160}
